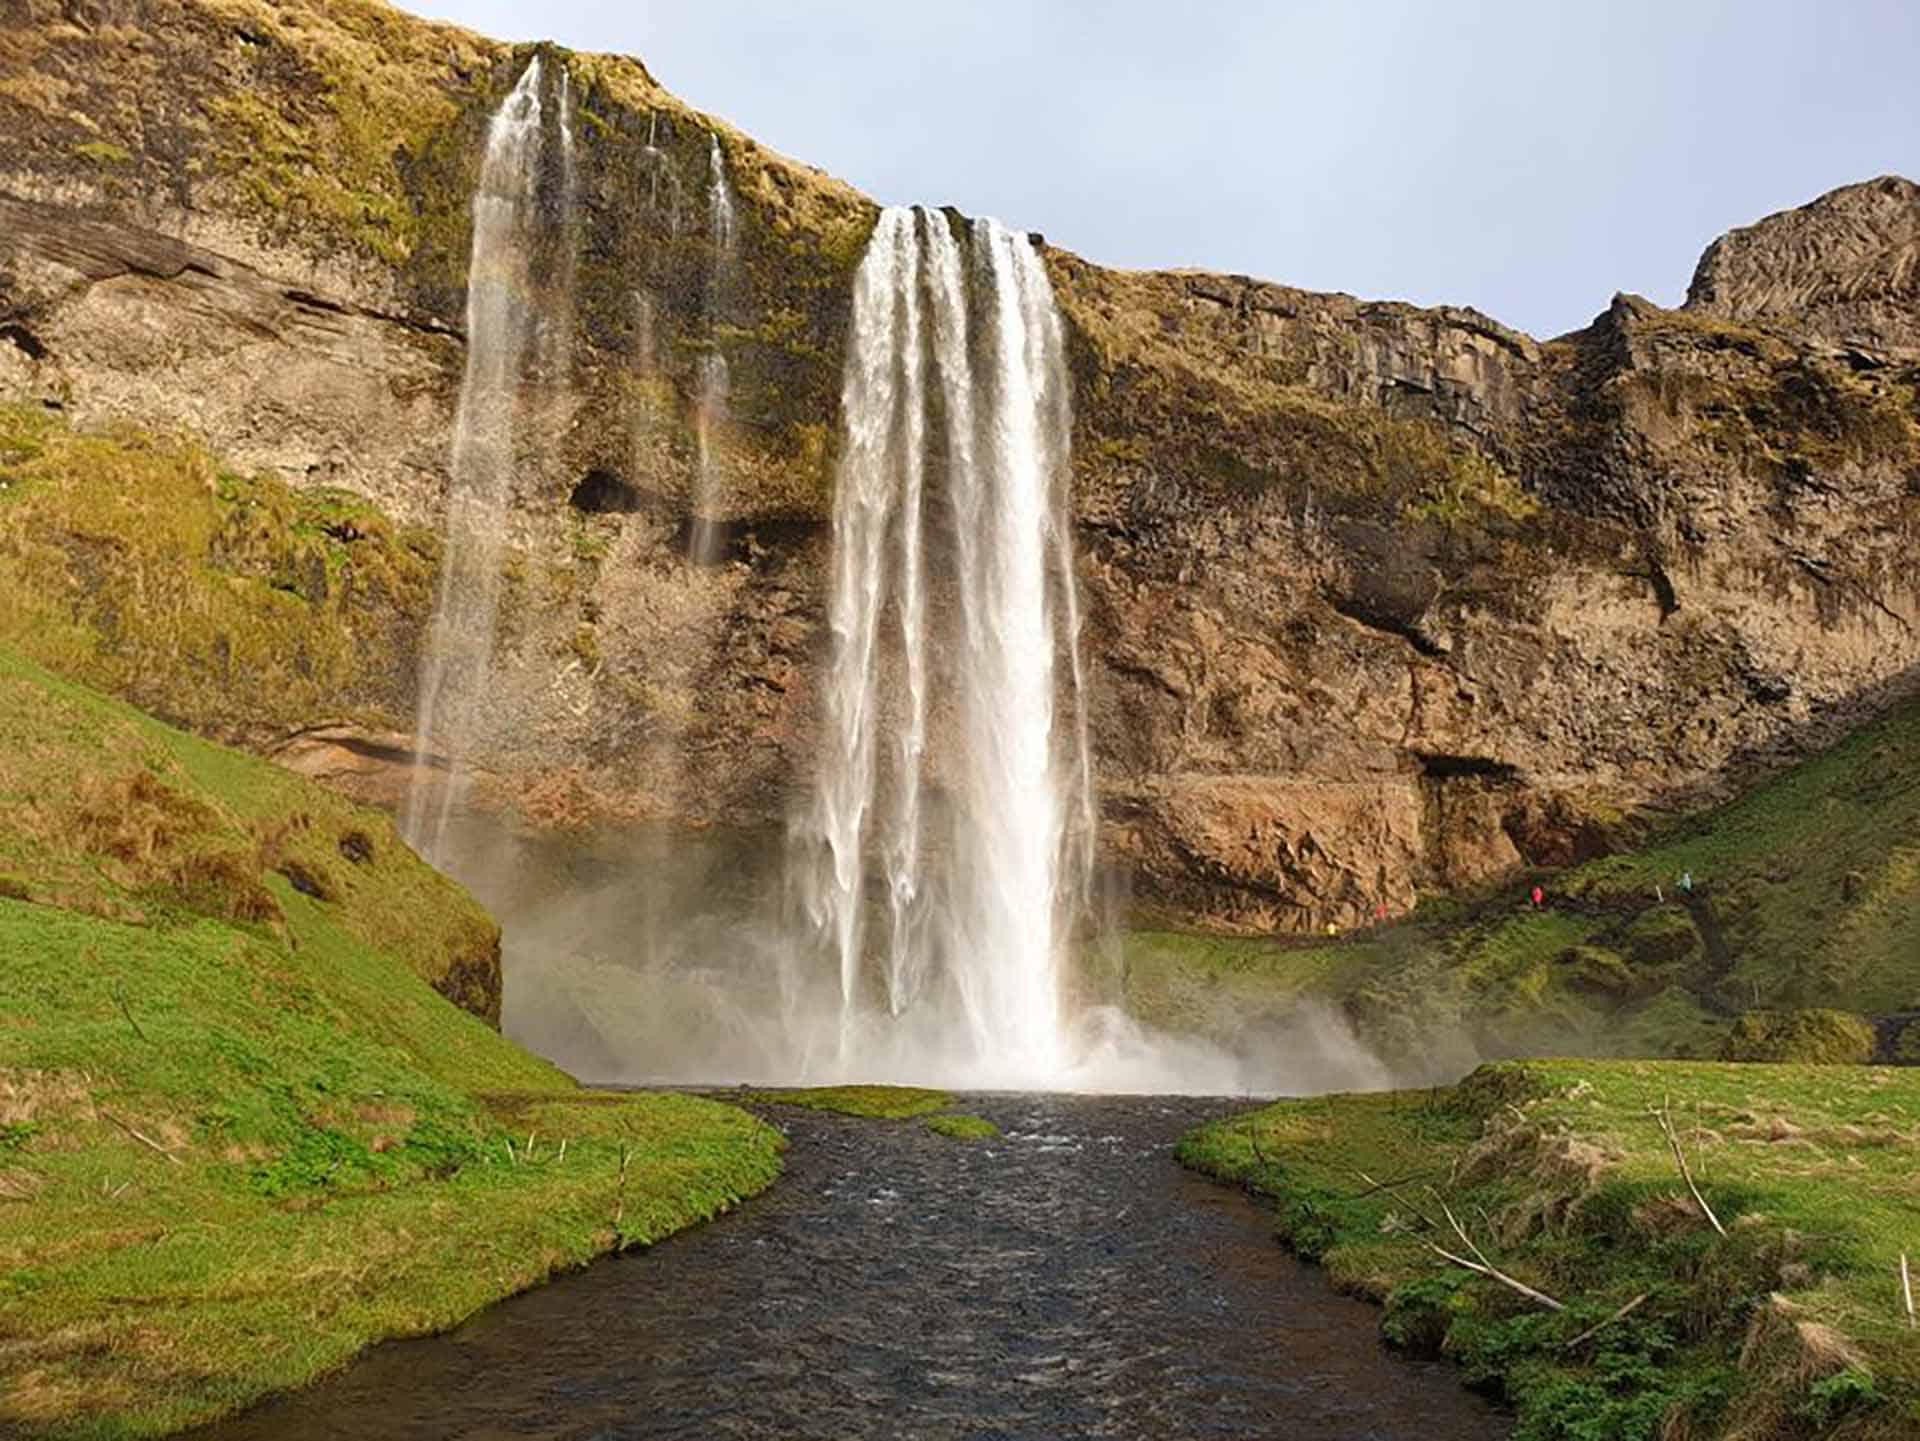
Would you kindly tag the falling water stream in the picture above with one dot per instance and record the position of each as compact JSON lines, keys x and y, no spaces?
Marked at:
{"x":943,"y":758}
{"x":715,"y":381}
{"x":514,"y":321}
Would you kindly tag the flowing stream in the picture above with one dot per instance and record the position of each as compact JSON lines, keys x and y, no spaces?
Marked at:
{"x":1066,"y":1280}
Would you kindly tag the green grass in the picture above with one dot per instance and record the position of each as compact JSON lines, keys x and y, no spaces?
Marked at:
{"x":241,"y":1134}
{"x":1808,"y":888}
{"x":879,"y":1103}
{"x":963,"y":1127}
{"x":134,"y":563}
{"x":1789,"y":1325}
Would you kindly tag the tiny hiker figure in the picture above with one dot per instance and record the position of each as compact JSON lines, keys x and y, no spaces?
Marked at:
{"x":1686,"y":882}
{"x":1539,"y":896}
{"x":1380,"y":913}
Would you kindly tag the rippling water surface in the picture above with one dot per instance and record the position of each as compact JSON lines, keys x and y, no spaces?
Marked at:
{"x":1067,"y":1280}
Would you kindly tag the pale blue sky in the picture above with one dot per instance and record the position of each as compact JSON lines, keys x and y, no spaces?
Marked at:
{"x":1526,"y":158}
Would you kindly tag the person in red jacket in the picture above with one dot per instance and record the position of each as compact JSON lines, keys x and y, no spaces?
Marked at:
{"x":1539,"y":897}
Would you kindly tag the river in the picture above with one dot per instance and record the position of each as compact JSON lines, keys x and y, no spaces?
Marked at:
{"x":1069,"y":1279}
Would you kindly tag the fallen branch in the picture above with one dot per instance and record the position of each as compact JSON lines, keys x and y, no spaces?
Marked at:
{"x":147,"y":1141}
{"x":1686,"y":1172}
{"x":1482,"y":1266}
{"x":1906,"y":1287}
{"x":1598,"y":1327}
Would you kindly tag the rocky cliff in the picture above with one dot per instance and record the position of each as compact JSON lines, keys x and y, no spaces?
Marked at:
{"x":1379,"y":599}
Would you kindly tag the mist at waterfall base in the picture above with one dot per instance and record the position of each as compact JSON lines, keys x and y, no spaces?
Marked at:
{"x":692,"y":977}
{"x":929,"y":913}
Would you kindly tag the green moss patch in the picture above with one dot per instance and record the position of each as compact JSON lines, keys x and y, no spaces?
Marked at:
{"x":1817,"y":1037}
{"x":231,"y":604}
{"x":1563,"y":1177}
{"x":963,"y":1127}
{"x":880,"y":1103}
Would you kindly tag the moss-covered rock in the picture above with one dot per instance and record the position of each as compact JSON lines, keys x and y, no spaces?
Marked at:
{"x":1818,"y":1037}
{"x":234,"y":605}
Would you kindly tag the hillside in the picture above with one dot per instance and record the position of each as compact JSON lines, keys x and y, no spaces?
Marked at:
{"x":1379,"y":600}
{"x":1806,"y":896}
{"x":241,"y":1136}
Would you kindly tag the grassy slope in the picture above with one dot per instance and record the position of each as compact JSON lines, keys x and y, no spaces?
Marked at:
{"x":1808,"y":895}
{"x":1789,"y":1326}
{"x":241,"y":1137}
{"x":234,"y":606}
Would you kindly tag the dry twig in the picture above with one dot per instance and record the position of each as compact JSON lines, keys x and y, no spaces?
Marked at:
{"x":1686,"y":1172}
{"x":120,"y":995}
{"x":1906,"y":1287}
{"x":146,"y":1141}
{"x":620,"y":1210}
{"x":1599,"y":1326}
{"x":1374,"y":1187}
{"x":1482,"y":1266}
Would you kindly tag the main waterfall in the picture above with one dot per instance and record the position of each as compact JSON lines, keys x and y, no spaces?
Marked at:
{"x":504,"y":335}
{"x":952,"y":606}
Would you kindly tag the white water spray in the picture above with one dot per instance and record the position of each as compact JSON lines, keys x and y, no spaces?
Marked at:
{"x":501,"y":339}
{"x":984,"y":863}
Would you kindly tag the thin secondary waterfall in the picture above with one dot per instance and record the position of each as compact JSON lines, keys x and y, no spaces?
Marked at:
{"x":501,"y":341}
{"x":950,"y":513}
{"x":716,"y":382}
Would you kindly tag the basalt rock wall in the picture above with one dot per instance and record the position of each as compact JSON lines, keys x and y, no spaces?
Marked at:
{"x":1378,"y":598}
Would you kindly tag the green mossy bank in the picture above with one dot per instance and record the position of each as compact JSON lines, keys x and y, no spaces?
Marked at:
{"x":241,"y":1134}
{"x":1561,"y":1177}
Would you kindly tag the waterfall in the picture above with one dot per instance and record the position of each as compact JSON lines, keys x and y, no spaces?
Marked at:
{"x":716,"y":382}
{"x":502,"y":339}
{"x":719,"y":199}
{"x":950,"y":513}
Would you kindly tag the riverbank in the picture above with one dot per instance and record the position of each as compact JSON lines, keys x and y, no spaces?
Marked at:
{"x":245,"y":1129}
{"x":1784,"y":1319}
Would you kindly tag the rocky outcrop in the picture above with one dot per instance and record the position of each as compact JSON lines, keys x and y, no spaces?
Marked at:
{"x":1844,"y":269}
{"x":1378,"y":598}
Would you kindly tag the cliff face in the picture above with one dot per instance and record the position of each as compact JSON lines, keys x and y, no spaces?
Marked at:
{"x":1377,"y":597}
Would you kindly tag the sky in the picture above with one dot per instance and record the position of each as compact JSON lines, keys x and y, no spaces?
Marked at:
{"x":1528,"y":159}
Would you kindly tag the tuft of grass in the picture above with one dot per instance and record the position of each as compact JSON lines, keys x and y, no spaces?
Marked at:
{"x":243,"y":1135}
{"x":963,"y":1127}
{"x":1562,"y":1174}
{"x":879,"y":1103}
